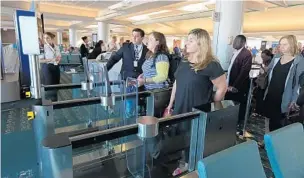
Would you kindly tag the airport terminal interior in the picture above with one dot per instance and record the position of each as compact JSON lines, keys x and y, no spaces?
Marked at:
{"x":152,"y":89}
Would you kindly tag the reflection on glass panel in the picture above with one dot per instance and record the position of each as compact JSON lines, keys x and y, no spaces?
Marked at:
{"x":124,"y":157}
{"x":130,"y":156}
{"x":131,"y":103}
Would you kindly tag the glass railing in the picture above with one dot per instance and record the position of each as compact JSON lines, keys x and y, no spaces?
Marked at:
{"x":121,"y":153}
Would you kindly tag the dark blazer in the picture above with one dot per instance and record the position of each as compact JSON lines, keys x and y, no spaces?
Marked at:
{"x":95,"y":53}
{"x":127,"y":54}
{"x":239,"y":74}
{"x":84,"y":51}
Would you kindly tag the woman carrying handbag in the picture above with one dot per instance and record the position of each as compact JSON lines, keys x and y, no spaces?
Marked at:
{"x":283,"y":82}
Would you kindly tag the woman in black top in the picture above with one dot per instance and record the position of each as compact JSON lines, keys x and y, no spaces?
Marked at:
{"x":84,"y":48}
{"x":195,"y":78}
{"x":260,"y":88}
{"x":97,"y":50}
{"x":194,"y":81}
{"x":278,"y":82}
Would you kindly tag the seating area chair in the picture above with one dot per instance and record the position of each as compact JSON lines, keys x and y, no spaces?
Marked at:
{"x":285,"y":150}
{"x":242,"y":160}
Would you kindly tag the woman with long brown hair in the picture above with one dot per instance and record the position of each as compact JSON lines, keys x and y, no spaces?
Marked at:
{"x":194,"y":81}
{"x":155,"y":70}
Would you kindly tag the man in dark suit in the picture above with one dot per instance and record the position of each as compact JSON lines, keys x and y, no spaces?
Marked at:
{"x":238,"y":75}
{"x":132,"y":55}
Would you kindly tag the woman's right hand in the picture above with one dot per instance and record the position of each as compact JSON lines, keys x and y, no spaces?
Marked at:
{"x":168,"y":111}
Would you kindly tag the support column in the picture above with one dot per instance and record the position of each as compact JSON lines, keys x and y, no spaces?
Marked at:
{"x":72,"y":37}
{"x":103,"y":32}
{"x":34,"y":6}
{"x":59,"y":37}
{"x":225,"y":28}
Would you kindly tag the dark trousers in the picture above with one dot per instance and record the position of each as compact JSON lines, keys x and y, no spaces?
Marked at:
{"x":50,"y":76}
{"x":272,"y":110}
{"x":276,"y":123}
{"x":240,"y":97}
{"x":259,"y":98}
{"x":161,"y":101}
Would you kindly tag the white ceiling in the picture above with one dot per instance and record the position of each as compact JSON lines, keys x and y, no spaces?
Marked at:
{"x":81,"y":14}
{"x":85,"y":4}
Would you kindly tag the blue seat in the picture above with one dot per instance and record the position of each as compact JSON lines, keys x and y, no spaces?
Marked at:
{"x":64,"y":59}
{"x":285,"y":150}
{"x":240,"y":161}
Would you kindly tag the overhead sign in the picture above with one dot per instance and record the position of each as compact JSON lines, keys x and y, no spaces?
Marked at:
{"x":216,"y":16}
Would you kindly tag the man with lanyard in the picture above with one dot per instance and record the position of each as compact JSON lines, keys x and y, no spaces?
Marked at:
{"x":132,"y":55}
{"x":238,"y":75}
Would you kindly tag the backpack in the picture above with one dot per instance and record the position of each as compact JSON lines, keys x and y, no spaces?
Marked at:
{"x":174,"y":61}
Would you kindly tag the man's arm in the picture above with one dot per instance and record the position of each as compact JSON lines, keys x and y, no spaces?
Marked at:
{"x":114,"y":59}
{"x":244,"y":71}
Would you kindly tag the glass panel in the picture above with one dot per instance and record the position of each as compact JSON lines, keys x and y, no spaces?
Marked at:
{"x":133,"y":157}
{"x":113,"y":158}
{"x":170,"y":150}
{"x":131,"y":103}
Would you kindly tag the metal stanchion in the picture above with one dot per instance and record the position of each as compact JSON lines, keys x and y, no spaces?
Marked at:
{"x":35,"y":76}
{"x":248,"y":104}
{"x":252,"y":75}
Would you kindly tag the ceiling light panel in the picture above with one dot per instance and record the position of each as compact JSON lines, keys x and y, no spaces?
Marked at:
{"x":194,"y":7}
{"x":139,"y":17}
{"x":147,"y":16}
{"x":75,"y":22}
{"x":92,"y":26}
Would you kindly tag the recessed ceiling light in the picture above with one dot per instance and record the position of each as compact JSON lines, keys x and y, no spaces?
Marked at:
{"x":92,"y":26}
{"x":147,"y":16}
{"x":75,"y":22}
{"x":139,"y":17}
{"x":159,"y":12}
{"x":194,"y":7}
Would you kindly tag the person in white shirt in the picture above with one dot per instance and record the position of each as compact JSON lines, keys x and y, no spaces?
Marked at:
{"x":113,"y":46}
{"x":49,"y":59}
{"x":238,"y":75}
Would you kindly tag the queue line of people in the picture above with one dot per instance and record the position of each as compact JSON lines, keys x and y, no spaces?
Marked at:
{"x":199,"y":72}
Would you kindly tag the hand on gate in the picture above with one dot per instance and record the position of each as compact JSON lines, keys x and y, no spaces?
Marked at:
{"x":140,"y":80}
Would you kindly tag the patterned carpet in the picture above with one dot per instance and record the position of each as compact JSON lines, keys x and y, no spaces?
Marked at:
{"x":256,"y":127}
{"x":17,"y":134}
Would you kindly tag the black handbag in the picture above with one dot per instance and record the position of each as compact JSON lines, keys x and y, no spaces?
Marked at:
{"x":292,"y":117}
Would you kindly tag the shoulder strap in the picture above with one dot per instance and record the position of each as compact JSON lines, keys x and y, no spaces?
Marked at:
{"x":294,"y":79}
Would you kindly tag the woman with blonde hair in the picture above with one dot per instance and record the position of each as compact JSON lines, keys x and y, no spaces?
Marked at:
{"x":196,"y":76}
{"x":194,"y":81}
{"x":283,"y":82}
{"x":49,"y":60}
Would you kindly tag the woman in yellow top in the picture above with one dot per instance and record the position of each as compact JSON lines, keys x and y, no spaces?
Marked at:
{"x":155,"y":70}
